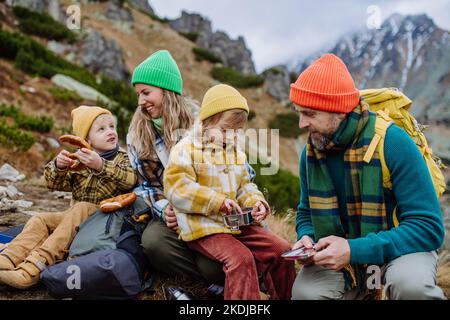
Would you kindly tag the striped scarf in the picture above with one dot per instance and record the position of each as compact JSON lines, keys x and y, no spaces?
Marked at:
{"x":363,"y":187}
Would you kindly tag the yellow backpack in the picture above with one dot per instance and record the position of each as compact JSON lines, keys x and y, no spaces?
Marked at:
{"x":392,"y":106}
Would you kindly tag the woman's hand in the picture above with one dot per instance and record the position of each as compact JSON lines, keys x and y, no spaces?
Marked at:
{"x":170,"y":217}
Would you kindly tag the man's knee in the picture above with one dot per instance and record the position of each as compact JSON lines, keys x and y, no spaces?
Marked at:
{"x":413,"y":277}
{"x":404,"y":287}
{"x":317,"y":283}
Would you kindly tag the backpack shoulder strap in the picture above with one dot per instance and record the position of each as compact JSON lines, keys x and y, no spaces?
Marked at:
{"x":382,"y":123}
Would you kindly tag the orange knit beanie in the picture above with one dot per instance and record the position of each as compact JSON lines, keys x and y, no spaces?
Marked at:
{"x":326,"y":85}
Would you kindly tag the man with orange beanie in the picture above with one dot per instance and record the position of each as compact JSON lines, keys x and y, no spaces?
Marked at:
{"x":345,"y":216}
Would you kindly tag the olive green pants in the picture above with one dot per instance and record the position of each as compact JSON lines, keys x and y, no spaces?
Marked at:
{"x":169,"y":255}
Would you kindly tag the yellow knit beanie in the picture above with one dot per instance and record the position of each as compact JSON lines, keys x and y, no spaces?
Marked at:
{"x":83,"y":117}
{"x":221,"y":98}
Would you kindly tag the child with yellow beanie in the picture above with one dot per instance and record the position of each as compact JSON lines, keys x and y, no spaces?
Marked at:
{"x":206,"y":179}
{"x":107,"y":174}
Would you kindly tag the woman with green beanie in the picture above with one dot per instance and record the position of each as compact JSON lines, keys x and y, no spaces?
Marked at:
{"x":162,"y":112}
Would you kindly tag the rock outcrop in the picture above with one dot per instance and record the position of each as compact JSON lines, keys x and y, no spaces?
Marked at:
{"x":233,"y":53}
{"x":277,"y":83}
{"x":100,"y":54}
{"x":81,"y":89}
{"x":117,"y":12}
{"x":143,"y":5}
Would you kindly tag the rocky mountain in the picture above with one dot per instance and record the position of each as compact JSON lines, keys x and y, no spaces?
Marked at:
{"x":408,"y":52}
{"x":233,"y":53}
{"x":114,"y":44}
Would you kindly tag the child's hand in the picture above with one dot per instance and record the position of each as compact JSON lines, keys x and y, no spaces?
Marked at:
{"x":90,"y":159}
{"x":62,"y":160}
{"x":228,"y":205}
{"x":259,"y":212}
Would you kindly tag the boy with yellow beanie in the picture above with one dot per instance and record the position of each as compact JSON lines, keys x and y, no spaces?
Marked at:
{"x":203,"y":189}
{"x":107,"y":173}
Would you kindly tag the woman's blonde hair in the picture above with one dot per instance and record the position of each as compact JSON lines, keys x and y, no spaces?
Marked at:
{"x":176,"y":115}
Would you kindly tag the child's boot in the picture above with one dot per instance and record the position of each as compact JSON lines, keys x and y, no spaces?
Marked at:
{"x":6,"y":263}
{"x":26,"y":274}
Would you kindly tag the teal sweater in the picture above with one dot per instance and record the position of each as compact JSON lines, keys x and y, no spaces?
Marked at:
{"x":421,"y":227}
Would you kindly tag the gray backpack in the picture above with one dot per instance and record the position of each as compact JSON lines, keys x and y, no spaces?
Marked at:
{"x":104,"y":274}
{"x":101,"y":230}
{"x":106,"y":259}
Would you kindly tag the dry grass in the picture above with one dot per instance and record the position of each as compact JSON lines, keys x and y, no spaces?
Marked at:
{"x":283,"y":226}
{"x":443,"y":274}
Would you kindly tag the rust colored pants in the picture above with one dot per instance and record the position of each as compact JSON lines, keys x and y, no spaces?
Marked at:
{"x":243,"y":256}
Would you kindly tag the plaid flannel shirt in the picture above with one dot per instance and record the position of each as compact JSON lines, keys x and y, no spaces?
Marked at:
{"x":197,"y":184}
{"x":150,"y":177}
{"x":117,"y":177}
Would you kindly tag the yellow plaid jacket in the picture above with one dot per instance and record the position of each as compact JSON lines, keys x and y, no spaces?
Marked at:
{"x":198,"y":178}
{"x":116,"y":178}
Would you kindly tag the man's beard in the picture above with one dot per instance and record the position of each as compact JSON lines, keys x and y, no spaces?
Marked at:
{"x":321,"y":140}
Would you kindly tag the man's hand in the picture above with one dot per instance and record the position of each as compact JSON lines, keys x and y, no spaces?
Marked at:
{"x":333,"y":253}
{"x":228,"y":205}
{"x":90,"y":159}
{"x":170,"y":217}
{"x":259,"y":212}
{"x":62,"y":160}
{"x":307,"y":243}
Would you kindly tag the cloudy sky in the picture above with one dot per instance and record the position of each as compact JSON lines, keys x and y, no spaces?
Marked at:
{"x":283,"y":30}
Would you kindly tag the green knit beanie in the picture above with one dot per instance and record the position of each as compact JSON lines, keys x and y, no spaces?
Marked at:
{"x":159,"y":70}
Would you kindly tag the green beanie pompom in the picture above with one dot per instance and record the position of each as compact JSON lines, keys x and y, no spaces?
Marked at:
{"x":159,"y":70}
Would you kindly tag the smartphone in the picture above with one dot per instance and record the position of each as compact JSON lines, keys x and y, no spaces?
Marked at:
{"x":298,"y":254}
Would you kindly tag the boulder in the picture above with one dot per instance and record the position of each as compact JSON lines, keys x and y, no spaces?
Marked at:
{"x":23,"y":204}
{"x":7,"y":205}
{"x":191,"y":23}
{"x":51,"y":7}
{"x":8,"y":192}
{"x":117,"y":12}
{"x":53,"y":143}
{"x":100,"y":54}
{"x":60,"y":48}
{"x":277,"y":82}
{"x":81,"y":89}
{"x":234,"y":53}
{"x":7,"y":172}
